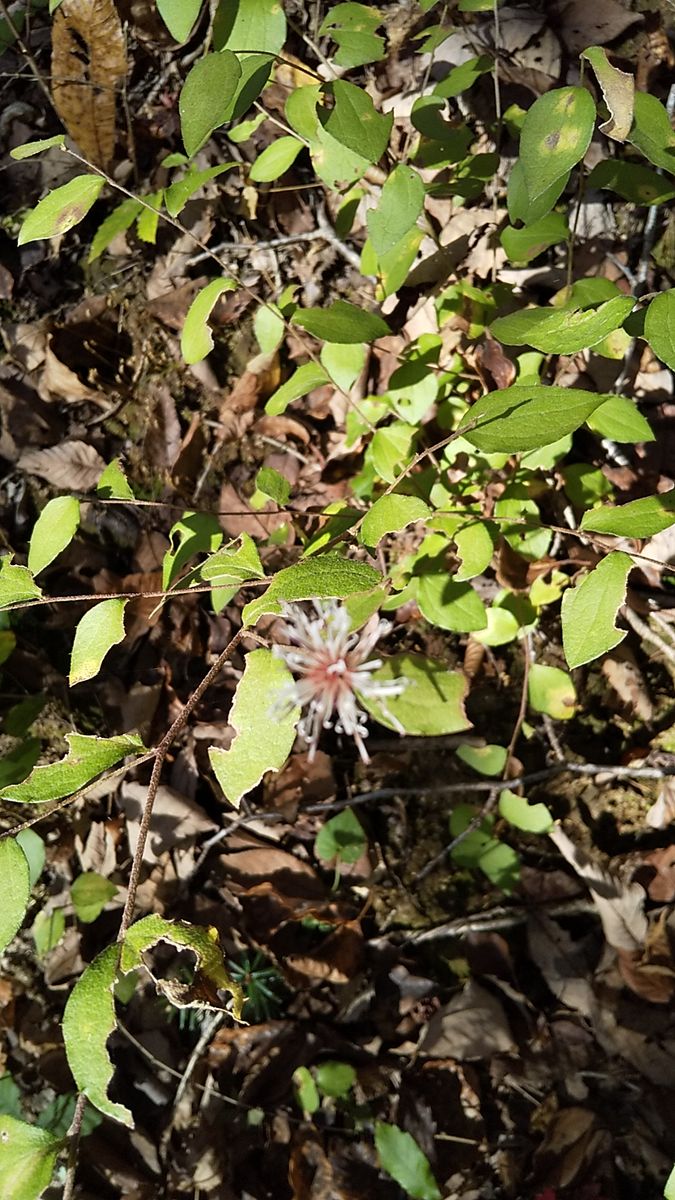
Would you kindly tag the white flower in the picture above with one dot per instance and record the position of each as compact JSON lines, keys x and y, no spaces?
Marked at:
{"x":332,"y":668}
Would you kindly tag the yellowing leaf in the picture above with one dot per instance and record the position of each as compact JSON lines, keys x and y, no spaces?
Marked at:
{"x":551,"y":691}
{"x":204,"y":943}
{"x":618,"y":89}
{"x":61,"y":209}
{"x":556,"y":134}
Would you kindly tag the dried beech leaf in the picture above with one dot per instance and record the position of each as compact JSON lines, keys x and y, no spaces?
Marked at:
{"x":75,"y":466}
{"x":88,"y":65}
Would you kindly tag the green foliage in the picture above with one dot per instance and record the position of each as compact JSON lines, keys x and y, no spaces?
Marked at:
{"x":637,"y":519}
{"x":27,"y":1158}
{"x":516,"y":418}
{"x":90,"y":893}
{"x":179,"y":16}
{"x":561,"y":331}
{"x":196,"y":339}
{"x":589,"y":611}
{"x":402,"y":1159}
{"x":551,"y":691}
{"x":87,"y":758}
{"x":660,"y":327}
{"x":556,"y":134}
{"x":342,"y":322}
{"x":16,"y":584}
{"x":88,"y":1021}
{"x":48,"y":929}
{"x":54,"y":529}
{"x":325,"y":577}
{"x":61,"y":209}
{"x":479,"y":849}
{"x":341,"y":839}
{"x":205,"y":97}
{"x":431,"y":703}
{"x":101,"y":628}
{"x":531,"y":818}
{"x":16,"y":885}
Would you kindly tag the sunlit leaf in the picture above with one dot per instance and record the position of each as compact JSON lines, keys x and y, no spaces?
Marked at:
{"x":30,"y":148}
{"x":87,"y":758}
{"x":61,"y":209}
{"x":432,"y":702}
{"x":49,"y":927}
{"x":522,"y":245}
{"x":34,"y":848}
{"x":179,"y":16}
{"x":556,"y":134}
{"x":589,"y":610}
{"x":54,"y":529}
{"x":559,"y":331}
{"x":487,"y":760}
{"x":250,"y":25}
{"x":27,"y":1159}
{"x":531,"y":818}
{"x":205,"y":97}
{"x":389,"y":514}
{"x":352,"y":26}
{"x":341,"y":322}
{"x":322,"y":577}
{"x":551,"y":691}
{"x":16,"y":584}
{"x":101,"y":628}
{"x":620,"y":419}
{"x":88,"y":1021}
{"x":660,"y":327}
{"x":355,"y":122}
{"x":399,"y":206}
{"x":196,"y":339}
{"x":275,"y":159}
{"x":307,"y":377}
{"x":638,"y":519}
{"x":177,"y":195}
{"x":513,"y":418}
{"x":113,"y":483}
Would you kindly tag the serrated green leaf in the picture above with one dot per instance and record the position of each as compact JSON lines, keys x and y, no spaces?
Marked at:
{"x":341,"y":322}
{"x":556,"y":134}
{"x":637,"y":519}
{"x":620,"y":419}
{"x":513,"y":418}
{"x":177,"y":195}
{"x":206,"y":96}
{"x":196,"y":340}
{"x":522,"y":245}
{"x":276,"y":159}
{"x":660,"y":327}
{"x":265,"y":727}
{"x":307,"y":377}
{"x":101,"y":628}
{"x":399,"y":206}
{"x":401,"y":1158}
{"x":15,"y":875}
{"x":90,"y":893}
{"x":30,"y":148}
{"x":520,"y":206}
{"x":250,"y":25}
{"x":87,"y":758}
{"x":322,"y":577}
{"x":61,"y":209}
{"x":54,"y":529}
{"x":618,"y":90}
{"x":113,"y":483}
{"x":531,"y":818}
{"x":551,"y":691}
{"x":49,"y":927}
{"x":16,"y":584}
{"x":179,"y":16}
{"x":652,"y":132}
{"x":204,"y":943}
{"x":487,"y":760}
{"x":88,"y":1021}
{"x":389,"y":514}
{"x":341,"y":839}
{"x":432,"y":702}
{"x":589,"y":610}
{"x":27,"y":1159}
{"x":559,"y":331}
{"x":631,"y":181}
{"x":355,"y":122}
{"x":34,"y":848}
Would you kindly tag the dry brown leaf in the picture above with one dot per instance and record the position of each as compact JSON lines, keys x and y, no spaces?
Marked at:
{"x":582,"y":24}
{"x":88,"y":65}
{"x":620,"y":905}
{"x":74,"y":466}
{"x":473,"y":1025}
{"x":625,"y":677}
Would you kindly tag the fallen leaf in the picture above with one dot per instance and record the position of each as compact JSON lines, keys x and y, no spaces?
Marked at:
{"x":473,"y":1025}
{"x":73,"y":466}
{"x":88,"y":66}
{"x":620,"y":905}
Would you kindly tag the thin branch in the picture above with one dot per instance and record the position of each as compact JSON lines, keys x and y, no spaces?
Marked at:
{"x":73,"y":1135}
{"x":16,"y":33}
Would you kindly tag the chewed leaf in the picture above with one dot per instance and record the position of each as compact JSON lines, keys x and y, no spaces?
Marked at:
{"x":87,"y":758}
{"x":61,"y":209}
{"x":15,"y":876}
{"x":196,"y":339}
{"x":211,"y":975}
{"x":54,"y":529}
{"x":113,"y":483}
{"x":389,"y":514}
{"x":16,"y":584}
{"x":88,"y":1021}
{"x":513,"y":418}
{"x":27,"y":1158}
{"x":531,"y":818}
{"x":101,"y":628}
{"x":265,"y":726}
{"x":323,"y":577}
{"x":589,"y":610}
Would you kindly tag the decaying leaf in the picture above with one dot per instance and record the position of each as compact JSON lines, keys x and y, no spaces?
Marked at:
{"x":88,"y":66}
{"x":620,"y":905}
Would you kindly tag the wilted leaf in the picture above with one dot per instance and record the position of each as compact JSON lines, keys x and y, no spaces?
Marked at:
{"x":86,"y":758}
{"x":15,"y":875}
{"x":210,"y":975}
{"x":88,"y":66}
{"x":618,"y":89}
{"x":54,"y":529}
{"x":101,"y":628}
{"x":589,"y":611}
{"x":27,"y":1159}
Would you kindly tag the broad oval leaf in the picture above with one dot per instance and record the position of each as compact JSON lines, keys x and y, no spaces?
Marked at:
{"x":341,"y":839}
{"x":531,"y":818}
{"x":355,"y":122}
{"x":101,"y":628}
{"x":487,"y":760}
{"x":341,"y":322}
{"x":432,"y":702}
{"x":559,"y":331}
{"x":475,"y":546}
{"x":242,"y":25}
{"x":15,"y":876}
{"x":556,"y":134}
{"x":196,"y":340}
{"x":61,"y":209}
{"x":660,"y":327}
{"x":264,"y":719}
{"x":450,"y":605}
{"x":307,"y":377}
{"x":203,"y":942}
{"x":322,"y":577}
{"x":517,"y":418}
{"x":399,"y":206}
{"x":205,"y":97}
{"x":551,"y":691}
{"x":402,"y":1159}
{"x":522,"y":245}
{"x":637,"y":519}
{"x":16,"y":584}
{"x":520,"y":206}
{"x":389,"y":514}
{"x":54,"y":529}
{"x":631,"y":181}
{"x":27,"y":1158}
{"x":179,"y":16}
{"x":652,"y":132}
{"x":90,"y":893}
{"x":589,"y":610}
{"x":276,"y":159}
{"x":88,"y":1021}
{"x":87,"y":758}
{"x":620,"y":419}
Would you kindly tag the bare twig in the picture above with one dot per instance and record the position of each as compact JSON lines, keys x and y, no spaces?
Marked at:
{"x":73,"y":1135}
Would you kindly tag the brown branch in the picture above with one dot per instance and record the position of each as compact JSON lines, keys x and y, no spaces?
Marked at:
{"x":73,"y":1135}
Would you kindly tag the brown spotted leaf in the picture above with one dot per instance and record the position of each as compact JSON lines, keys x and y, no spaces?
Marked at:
{"x":88,"y":66}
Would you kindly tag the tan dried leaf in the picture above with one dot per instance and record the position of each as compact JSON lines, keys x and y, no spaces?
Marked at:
{"x":89,"y":64}
{"x":73,"y":466}
{"x":620,"y":905}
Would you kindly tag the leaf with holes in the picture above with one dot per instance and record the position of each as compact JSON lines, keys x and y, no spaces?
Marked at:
{"x":389,"y":514}
{"x":54,"y":529}
{"x":524,"y":416}
{"x":101,"y":628}
{"x":210,"y":976}
{"x":556,"y":134}
{"x":61,"y":209}
{"x":589,"y":610}
{"x":206,"y":96}
{"x":196,"y":340}
{"x":87,"y":758}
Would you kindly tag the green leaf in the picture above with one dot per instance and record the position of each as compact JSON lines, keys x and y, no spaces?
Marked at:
{"x":336,"y":1078}
{"x":30,"y":148}
{"x":637,"y":519}
{"x":87,"y":758}
{"x":344,"y":362}
{"x":461,"y":78}
{"x":204,"y":943}
{"x":54,"y":529}
{"x":341,"y":839}
{"x":276,"y":159}
{"x":502,"y":628}
{"x":487,"y":760}
{"x":177,"y":195}
{"x":524,"y":416}
{"x":589,"y":610}
{"x":307,"y":377}
{"x":399,"y":206}
{"x":669,"y":1190}
{"x":16,"y":584}
{"x":15,"y":766}
{"x":631,"y":181}
{"x":250,"y":25}
{"x":551,"y":691}
{"x":660,"y":327}
{"x":619,"y":418}
{"x":355,"y":123}
{"x":556,"y":134}
{"x":475,"y":546}
{"x":480,"y":850}
{"x":118,"y":221}
{"x":322,"y":577}
{"x":390,"y":448}
{"x":179,"y":16}
{"x":389,"y":514}
{"x":401,"y":1158}
{"x":88,"y":1021}
{"x":194,"y":533}
{"x":34,"y":848}
{"x":90,"y":893}
{"x":264,"y":724}
{"x":308,"y":1096}
{"x":352,"y":26}
{"x":15,"y":875}
{"x":227,"y":569}
{"x":341,"y":322}
{"x":394,"y":266}
{"x":531,"y":818}
{"x":10,"y":1098}
{"x":113,"y":484}
{"x":450,"y":605}
{"x":101,"y":628}
{"x":432,"y":703}
{"x":196,"y":339}
{"x":518,"y":202}
{"x":268,"y":326}
{"x":61,"y":209}
{"x":49,"y":927}
{"x":272,"y":485}
{"x":652,"y":132}
{"x":522,"y":245}
{"x":246,"y":129}
{"x":27,"y":1159}
{"x":559,"y":331}
{"x":205,"y":97}
{"x":618,"y":90}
